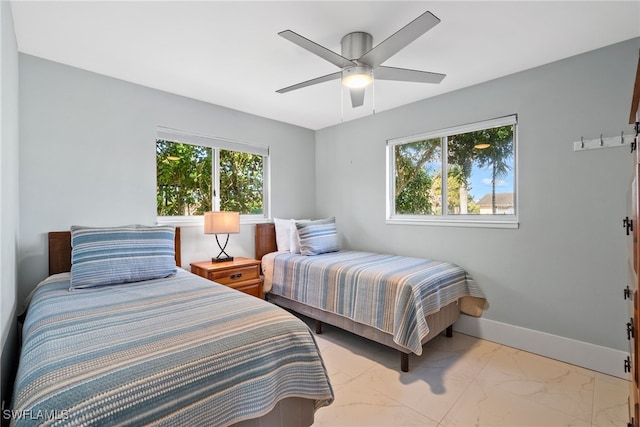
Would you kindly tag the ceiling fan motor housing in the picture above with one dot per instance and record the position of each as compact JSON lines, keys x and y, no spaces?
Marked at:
{"x":356,"y":44}
{"x":353,"y":46}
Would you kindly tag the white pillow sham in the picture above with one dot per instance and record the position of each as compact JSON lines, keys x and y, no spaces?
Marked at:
{"x":287,"y":238}
{"x":284,"y":227}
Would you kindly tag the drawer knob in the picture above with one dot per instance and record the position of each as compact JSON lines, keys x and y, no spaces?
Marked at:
{"x":236,"y":276}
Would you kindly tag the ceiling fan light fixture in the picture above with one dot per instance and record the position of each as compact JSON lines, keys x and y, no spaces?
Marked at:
{"x":357,"y":77}
{"x":360,"y":60}
{"x":482,"y":146}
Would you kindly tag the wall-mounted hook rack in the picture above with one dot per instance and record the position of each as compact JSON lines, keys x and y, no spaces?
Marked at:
{"x":614,"y":141}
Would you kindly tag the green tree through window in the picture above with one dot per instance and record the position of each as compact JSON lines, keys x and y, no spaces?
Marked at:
{"x":479,"y":163}
{"x":415,"y":163}
{"x":186,"y":178}
{"x":183,"y":179}
{"x":241,"y":182}
{"x":484,"y":149}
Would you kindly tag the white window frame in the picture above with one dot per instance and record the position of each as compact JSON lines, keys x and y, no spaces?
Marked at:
{"x":218,"y":143}
{"x":487,"y":221}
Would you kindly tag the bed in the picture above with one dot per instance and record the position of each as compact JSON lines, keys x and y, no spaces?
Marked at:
{"x":350,"y":290}
{"x":175,"y":350}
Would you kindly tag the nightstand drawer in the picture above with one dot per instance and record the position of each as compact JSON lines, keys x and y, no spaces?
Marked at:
{"x":237,"y":274}
{"x":253,"y":287}
{"x":242,"y":274}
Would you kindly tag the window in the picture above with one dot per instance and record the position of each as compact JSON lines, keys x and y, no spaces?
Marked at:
{"x":196,"y":174}
{"x":478,"y":163}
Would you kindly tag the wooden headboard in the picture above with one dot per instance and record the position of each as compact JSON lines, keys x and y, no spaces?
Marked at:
{"x":265,"y":239}
{"x":60,"y":251}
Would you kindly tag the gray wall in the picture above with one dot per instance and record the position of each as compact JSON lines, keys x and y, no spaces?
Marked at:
{"x":8,"y":192}
{"x":563,"y":271}
{"x":87,"y":156}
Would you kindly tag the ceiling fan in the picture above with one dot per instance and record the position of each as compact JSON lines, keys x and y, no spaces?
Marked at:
{"x":359,"y":62}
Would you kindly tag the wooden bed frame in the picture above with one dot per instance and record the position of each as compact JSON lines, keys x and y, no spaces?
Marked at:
{"x":291,"y":411}
{"x":438,"y":322}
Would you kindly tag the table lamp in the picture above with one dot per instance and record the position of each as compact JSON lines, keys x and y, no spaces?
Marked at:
{"x":222,"y":223}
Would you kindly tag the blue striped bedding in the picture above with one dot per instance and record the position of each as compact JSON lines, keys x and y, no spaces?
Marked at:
{"x":173,"y":351}
{"x":391,"y":293}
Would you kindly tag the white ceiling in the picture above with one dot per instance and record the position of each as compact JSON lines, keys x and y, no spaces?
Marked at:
{"x":229,"y":53}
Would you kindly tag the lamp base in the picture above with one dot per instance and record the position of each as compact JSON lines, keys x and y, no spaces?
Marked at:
{"x":224,"y":259}
{"x":220,"y":257}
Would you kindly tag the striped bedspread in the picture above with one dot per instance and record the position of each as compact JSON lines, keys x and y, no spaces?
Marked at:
{"x":391,"y":293}
{"x":174,"y":351}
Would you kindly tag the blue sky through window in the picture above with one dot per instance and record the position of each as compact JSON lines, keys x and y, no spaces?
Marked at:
{"x":481,"y":182}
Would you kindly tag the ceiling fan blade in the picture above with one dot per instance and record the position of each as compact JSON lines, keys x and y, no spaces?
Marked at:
{"x":357,"y":97}
{"x":316,"y":49}
{"x":406,"y":75}
{"x":328,"y":77}
{"x":401,"y":38}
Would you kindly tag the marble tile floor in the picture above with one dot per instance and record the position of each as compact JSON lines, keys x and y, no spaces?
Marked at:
{"x":462,"y":382}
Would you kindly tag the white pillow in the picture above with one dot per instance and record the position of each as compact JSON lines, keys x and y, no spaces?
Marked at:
{"x":284,"y":228}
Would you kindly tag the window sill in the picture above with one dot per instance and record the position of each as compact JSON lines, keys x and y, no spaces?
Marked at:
{"x":456,"y":222}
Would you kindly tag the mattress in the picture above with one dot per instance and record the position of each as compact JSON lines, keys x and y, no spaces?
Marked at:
{"x":176,"y":351}
{"x":391,"y":293}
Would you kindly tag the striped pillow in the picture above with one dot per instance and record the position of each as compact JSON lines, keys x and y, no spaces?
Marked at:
{"x":318,"y":237}
{"x":112,"y":255}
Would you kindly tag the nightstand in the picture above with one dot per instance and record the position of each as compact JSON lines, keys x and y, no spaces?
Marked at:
{"x":242,"y":274}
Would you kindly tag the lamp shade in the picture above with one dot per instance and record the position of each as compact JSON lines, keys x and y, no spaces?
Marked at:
{"x":221,"y":222}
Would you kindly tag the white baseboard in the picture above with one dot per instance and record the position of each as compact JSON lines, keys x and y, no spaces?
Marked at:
{"x":580,"y":353}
